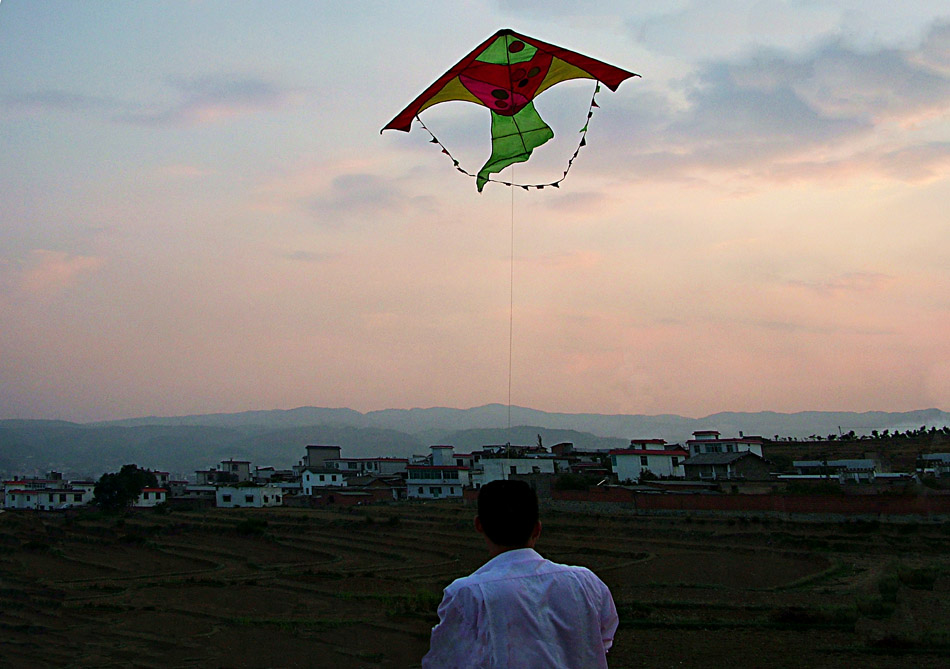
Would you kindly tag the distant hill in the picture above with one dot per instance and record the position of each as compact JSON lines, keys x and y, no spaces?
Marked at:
{"x":185,"y":443}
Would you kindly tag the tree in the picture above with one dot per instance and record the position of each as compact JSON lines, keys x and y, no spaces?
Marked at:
{"x":119,"y":490}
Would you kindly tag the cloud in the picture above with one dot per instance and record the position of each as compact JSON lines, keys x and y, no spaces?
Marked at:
{"x":184,"y":171}
{"x":54,"y":100}
{"x":850,"y":282}
{"x":922,"y":162}
{"x":776,"y":114}
{"x":211,"y":98}
{"x":570,"y":261}
{"x":52,"y":271}
{"x":308,"y":256}
{"x":358,"y":193}
{"x":199,"y":100}
{"x":365,"y":195}
{"x":577,"y":203}
{"x":935,"y":51}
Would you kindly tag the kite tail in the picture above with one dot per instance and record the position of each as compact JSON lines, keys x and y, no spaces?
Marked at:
{"x":513,"y":140}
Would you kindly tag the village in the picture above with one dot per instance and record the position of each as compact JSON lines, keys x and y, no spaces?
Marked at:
{"x":708,"y":464}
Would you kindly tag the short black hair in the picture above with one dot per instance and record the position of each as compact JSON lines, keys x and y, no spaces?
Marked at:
{"x":508,"y":512}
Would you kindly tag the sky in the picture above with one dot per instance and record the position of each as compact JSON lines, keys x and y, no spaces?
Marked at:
{"x":198,"y":212}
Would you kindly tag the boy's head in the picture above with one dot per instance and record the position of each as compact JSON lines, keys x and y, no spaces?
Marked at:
{"x":508,"y":512}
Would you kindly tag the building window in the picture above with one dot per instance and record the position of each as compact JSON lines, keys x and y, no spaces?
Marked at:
{"x":225,"y":498}
{"x":420,"y":491}
{"x":435,"y":491}
{"x":675,"y":461}
{"x":643,"y":461}
{"x":322,"y":477}
{"x":249,"y":498}
{"x":77,"y":498}
{"x":513,"y":469}
{"x":145,"y":495}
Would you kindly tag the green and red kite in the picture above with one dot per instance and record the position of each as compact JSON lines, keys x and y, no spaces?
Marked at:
{"x":506,"y":73}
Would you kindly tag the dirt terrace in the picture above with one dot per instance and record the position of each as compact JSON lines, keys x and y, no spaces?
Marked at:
{"x":359,"y":587}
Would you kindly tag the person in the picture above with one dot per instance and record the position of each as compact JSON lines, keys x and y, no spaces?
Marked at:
{"x":519,"y":609}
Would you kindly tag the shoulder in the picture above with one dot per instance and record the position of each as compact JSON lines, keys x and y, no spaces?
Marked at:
{"x":583,"y":575}
{"x":462,"y":588}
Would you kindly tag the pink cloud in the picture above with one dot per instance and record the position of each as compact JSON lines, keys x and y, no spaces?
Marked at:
{"x":851,"y":282}
{"x":52,"y":271}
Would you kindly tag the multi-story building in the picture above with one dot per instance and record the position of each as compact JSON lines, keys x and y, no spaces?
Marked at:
{"x":321,"y":478}
{"x":227,"y":471}
{"x":369,"y":466}
{"x":47,"y":494}
{"x":708,"y":441}
{"x":648,"y":455}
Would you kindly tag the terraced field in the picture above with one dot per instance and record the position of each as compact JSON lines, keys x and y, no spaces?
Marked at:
{"x":359,"y":587}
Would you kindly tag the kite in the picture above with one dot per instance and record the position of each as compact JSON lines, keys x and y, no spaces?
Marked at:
{"x":506,"y":73}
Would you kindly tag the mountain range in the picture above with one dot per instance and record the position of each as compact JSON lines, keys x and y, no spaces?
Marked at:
{"x":183,"y":444}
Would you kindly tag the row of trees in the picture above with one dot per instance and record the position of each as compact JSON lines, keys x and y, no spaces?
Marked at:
{"x":923,"y":432}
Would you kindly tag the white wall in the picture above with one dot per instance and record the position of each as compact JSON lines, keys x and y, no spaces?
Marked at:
{"x":500,"y":469}
{"x":248,"y":497}
{"x":629,"y":466}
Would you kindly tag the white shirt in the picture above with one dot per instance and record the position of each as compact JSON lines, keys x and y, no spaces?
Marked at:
{"x":521,"y":610}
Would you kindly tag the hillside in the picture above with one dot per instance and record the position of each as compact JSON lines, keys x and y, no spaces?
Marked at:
{"x":183,"y":444}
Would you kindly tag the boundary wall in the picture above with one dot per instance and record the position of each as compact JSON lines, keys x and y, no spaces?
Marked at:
{"x":891,"y":507}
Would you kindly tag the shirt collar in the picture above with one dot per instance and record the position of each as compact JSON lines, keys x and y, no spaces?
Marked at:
{"x":513,"y":556}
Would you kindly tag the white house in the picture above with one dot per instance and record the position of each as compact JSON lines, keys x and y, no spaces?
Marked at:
{"x":227,"y":471}
{"x":500,"y":469}
{"x":321,"y":478}
{"x":435,"y":482}
{"x":162,"y":478}
{"x":708,"y":441}
{"x":150,"y":497}
{"x":934,"y":464}
{"x":845,"y":471}
{"x":27,"y":495}
{"x":240,"y":470}
{"x":368,"y":466}
{"x":248,"y":496}
{"x":648,"y":455}
{"x":21,"y":498}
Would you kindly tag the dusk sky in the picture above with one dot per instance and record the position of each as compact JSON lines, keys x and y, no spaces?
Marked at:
{"x":198,"y":212}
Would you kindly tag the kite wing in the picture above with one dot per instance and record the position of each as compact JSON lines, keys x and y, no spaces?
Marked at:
{"x":505,"y":73}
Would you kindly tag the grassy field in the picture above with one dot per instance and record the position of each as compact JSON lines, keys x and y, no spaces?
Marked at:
{"x":359,"y":588}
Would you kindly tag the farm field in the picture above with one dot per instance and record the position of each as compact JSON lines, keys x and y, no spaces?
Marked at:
{"x":359,"y":587}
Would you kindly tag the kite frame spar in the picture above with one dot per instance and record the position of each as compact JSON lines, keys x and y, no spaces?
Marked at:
{"x":508,"y":90}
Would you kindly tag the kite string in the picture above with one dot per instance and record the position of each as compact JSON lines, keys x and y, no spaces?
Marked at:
{"x":511,"y":297}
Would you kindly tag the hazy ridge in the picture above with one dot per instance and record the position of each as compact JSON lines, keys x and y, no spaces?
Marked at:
{"x":181,"y":444}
